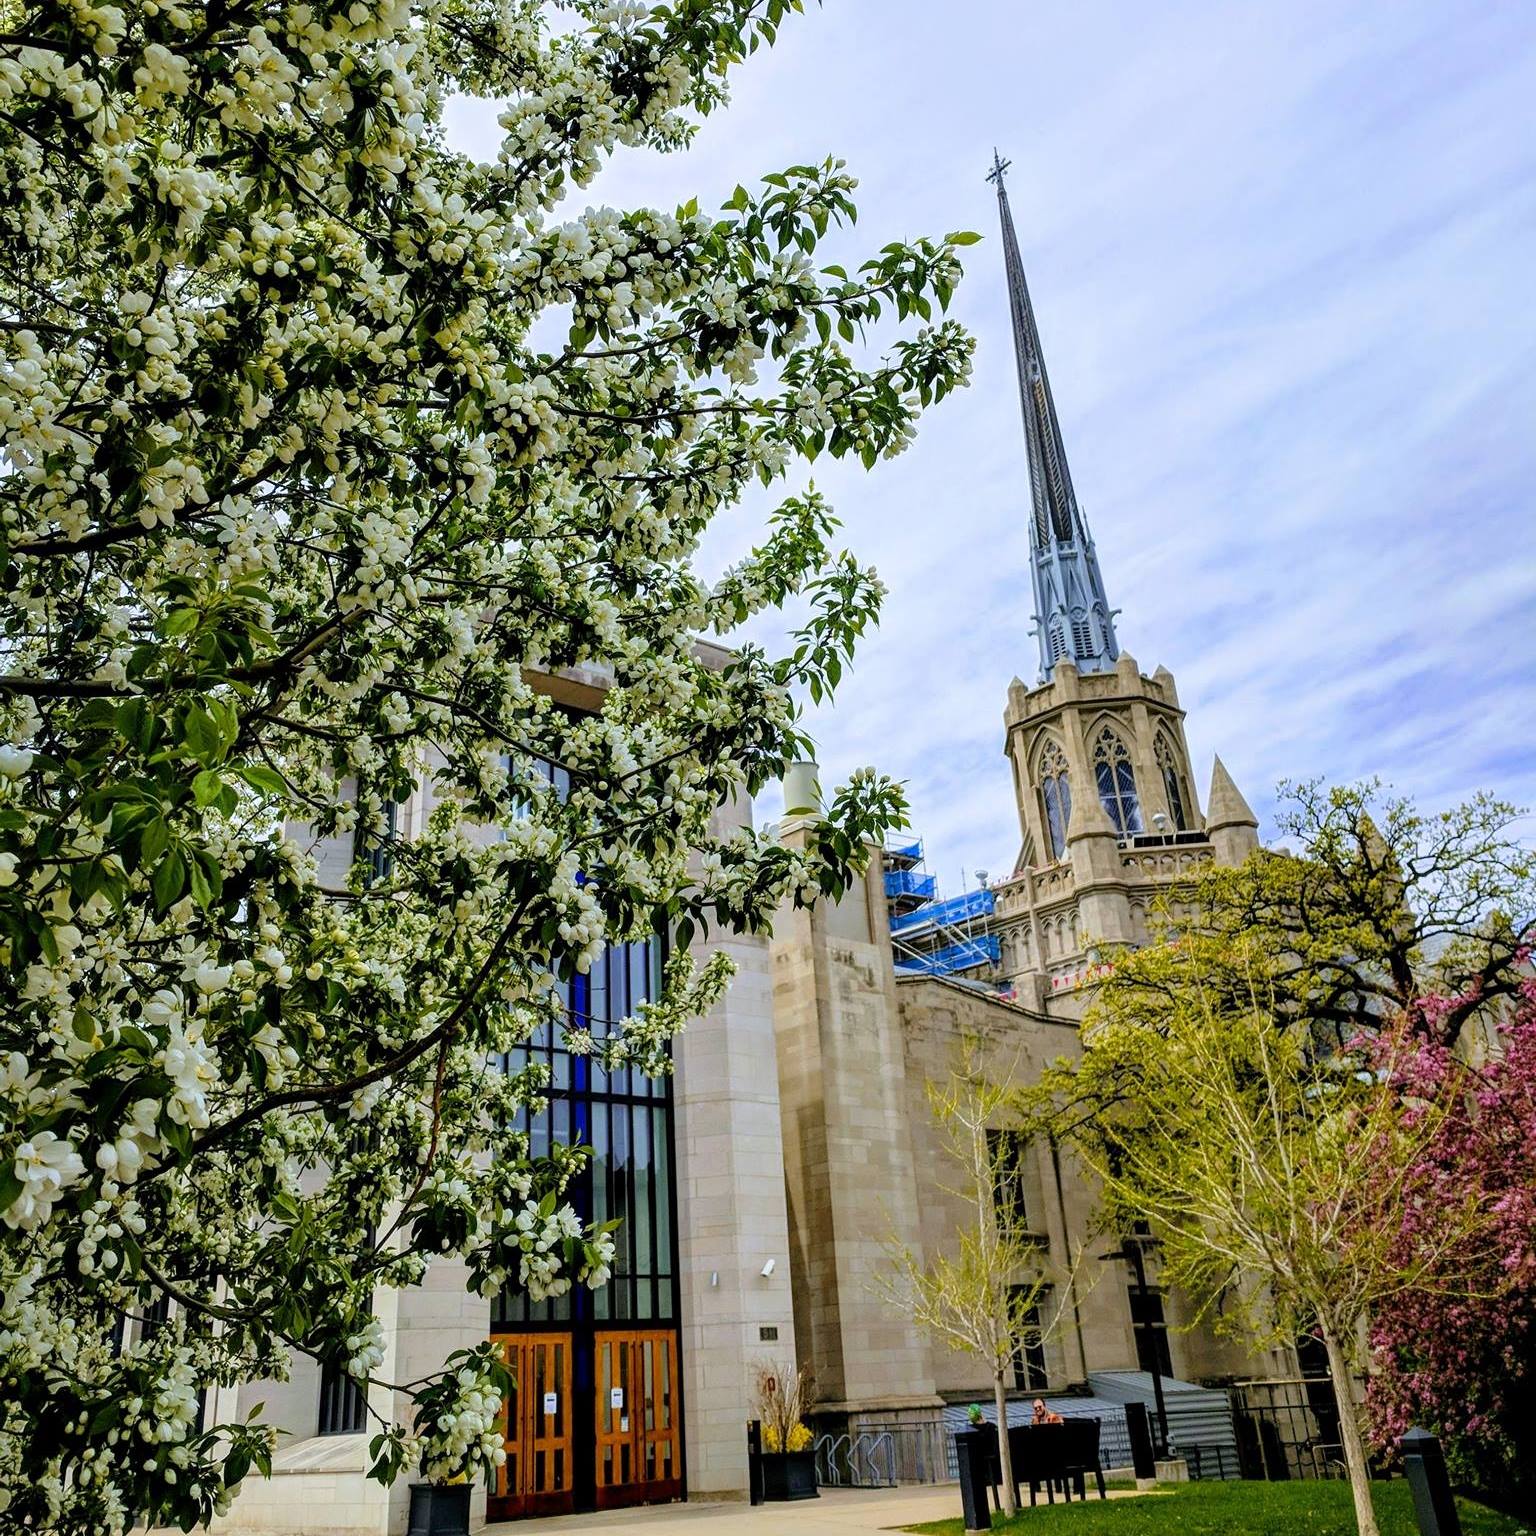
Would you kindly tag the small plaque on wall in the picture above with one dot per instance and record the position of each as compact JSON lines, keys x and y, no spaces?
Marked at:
{"x":768,"y":1335}
{"x":551,"y":1403}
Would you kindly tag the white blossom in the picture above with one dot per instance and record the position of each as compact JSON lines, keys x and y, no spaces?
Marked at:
{"x":320,"y":446}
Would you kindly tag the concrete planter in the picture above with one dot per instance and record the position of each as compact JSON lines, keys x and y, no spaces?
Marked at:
{"x":789,"y":1475}
{"x":439,"y":1509}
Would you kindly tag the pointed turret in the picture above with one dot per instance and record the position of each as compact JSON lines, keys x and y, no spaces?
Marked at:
{"x":1229,"y":821}
{"x":1073,"y":618}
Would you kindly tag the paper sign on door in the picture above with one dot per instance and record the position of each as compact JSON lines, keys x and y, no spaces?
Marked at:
{"x":616,"y":1397}
{"x":551,"y":1402}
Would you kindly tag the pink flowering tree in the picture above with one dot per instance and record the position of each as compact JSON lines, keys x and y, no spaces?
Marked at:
{"x":1458,"y":1354}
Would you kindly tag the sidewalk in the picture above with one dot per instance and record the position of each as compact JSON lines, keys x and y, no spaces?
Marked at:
{"x":838,"y":1512}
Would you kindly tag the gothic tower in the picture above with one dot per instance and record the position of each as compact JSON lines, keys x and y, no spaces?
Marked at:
{"x":1101,"y":769}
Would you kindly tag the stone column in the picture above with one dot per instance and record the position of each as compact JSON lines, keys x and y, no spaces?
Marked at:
{"x":732,"y":1221}
{"x":847,"y":1149}
{"x":1098,"y":876}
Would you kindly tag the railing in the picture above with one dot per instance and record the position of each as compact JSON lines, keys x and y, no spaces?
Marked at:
{"x":1209,"y":1463}
{"x":954,"y":909}
{"x":1163,"y":840}
{"x":881,"y":1457}
{"x":1287,"y":1428}
{"x":964,"y":956}
{"x":911,"y":882}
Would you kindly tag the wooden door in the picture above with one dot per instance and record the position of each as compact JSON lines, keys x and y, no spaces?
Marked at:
{"x":639,"y":1440}
{"x":538,"y":1478}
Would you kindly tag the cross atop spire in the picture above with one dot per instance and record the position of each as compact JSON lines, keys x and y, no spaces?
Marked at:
{"x":1073,"y":619}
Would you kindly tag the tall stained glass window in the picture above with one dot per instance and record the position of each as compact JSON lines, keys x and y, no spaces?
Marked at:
{"x":625,"y":1117}
{"x":1056,"y":797}
{"x":1116,"y":779}
{"x":1173,"y":784}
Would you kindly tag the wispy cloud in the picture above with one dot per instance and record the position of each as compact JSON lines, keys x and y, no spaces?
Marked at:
{"x":1284,"y":261}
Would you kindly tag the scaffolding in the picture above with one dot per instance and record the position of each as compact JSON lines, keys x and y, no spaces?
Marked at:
{"x":944,"y":914}
{"x":966,"y":955}
{"x":932,"y":937}
{"x":907,"y":884}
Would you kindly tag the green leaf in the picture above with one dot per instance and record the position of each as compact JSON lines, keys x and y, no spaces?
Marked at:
{"x":207,"y":786}
{"x":212,"y":871}
{"x":155,"y":840}
{"x":204,"y":734}
{"x":176,"y":1136}
{"x":169,"y":878}
{"x":262,"y":778}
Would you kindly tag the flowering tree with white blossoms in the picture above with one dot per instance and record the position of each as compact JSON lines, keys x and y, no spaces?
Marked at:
{"x":297,"y":503}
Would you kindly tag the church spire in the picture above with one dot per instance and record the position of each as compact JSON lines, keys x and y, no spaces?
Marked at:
{"x":1073,"y":619}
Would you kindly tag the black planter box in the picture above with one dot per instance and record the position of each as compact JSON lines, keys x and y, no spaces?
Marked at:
{"x":789,"y":1475}
{"x":439,"y":1509}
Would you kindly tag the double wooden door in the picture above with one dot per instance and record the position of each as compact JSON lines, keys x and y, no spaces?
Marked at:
{"x":539,"y":1476}
{"x":598,"y":1437}
{"x":639,"y":1436}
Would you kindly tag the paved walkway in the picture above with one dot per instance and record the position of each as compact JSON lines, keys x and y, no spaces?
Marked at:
{"x":838,"y":1512}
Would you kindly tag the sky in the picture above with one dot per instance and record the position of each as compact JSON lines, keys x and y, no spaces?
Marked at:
{"x":1283,"y":260}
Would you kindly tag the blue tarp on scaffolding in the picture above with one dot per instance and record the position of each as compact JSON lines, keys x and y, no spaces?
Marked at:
{"x":963,"y":956}
{"x":910,"y":882}
{"x":957,"y":909}
{"x":907,"y":852}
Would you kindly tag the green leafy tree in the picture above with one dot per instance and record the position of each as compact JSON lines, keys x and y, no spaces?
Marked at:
{"x":1276,"y":1169}
{"x":320,"y":443}
{"x":1377,"y":905}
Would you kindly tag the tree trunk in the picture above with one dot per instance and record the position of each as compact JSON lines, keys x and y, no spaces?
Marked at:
{"x":1349,"y":1433}
{"x":1004,"y":1453}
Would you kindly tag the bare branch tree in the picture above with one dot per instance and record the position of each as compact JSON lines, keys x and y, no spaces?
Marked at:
{"x":993,"y":1291}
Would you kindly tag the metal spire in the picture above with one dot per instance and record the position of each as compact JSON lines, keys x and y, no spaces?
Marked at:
{"x":1073,"y":619}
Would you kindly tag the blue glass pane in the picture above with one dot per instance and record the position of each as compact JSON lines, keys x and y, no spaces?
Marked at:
{"x":1175,"y":799}
{"x":1130,"y":810}
{"x":645,"y":1233}
{"x":1057,"y":815}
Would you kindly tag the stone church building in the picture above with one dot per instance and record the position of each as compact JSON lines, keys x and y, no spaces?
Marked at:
{"x":873,"y":996}
{"x":761,"y":1183}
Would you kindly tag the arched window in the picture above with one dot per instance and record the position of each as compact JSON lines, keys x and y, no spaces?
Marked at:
{"x":1055,"y":797}
{"x":1173,"y":784}
{"x":1117,"y":782}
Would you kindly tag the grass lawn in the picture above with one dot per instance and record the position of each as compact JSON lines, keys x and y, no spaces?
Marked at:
{"x":1235,"y":1509}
